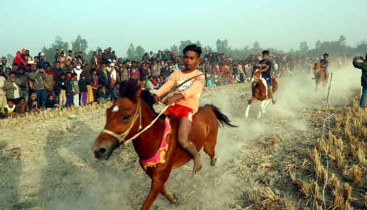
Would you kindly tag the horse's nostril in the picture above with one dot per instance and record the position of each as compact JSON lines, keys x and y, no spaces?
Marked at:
{"x":102,"y":151}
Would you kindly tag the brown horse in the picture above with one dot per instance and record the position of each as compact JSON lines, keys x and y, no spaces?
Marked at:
{"x":259,"y":92}
{"x":320,"y":76}
{"x":136,"y":105}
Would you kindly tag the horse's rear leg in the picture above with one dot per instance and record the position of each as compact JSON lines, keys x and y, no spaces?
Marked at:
{"x":262,"y":109}
{"x":171,"y":197}
{"x":209,"y":146}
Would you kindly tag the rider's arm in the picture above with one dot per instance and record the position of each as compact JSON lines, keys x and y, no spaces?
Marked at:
{"x":265,"y":69}
{"x":167,"y":86}
{"x":359,"y":65}
{"x":196,"y":87}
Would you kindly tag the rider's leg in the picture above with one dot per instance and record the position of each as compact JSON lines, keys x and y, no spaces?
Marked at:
{"x":270,"y":92}
{"x":183,"y":139}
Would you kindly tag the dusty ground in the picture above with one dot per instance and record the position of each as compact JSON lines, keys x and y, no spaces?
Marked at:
{"x":49,"y":164}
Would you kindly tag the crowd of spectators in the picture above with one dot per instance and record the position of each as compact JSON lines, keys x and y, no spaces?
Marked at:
{"x":32,"y":84}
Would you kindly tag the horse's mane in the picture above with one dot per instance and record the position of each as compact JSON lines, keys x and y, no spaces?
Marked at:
{"x":128,"y":89}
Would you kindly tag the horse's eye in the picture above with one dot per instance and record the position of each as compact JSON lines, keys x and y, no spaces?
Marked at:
{"x":126,"y":117}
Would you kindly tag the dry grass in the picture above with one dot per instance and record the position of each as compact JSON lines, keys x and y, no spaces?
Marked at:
{"x":33,"y":117}
{"x":342,"y":154}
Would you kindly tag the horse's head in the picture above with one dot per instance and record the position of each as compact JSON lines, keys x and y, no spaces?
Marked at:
{"x":256,"y":75}
{"x":123,"y":119}
{"x":317,"y":67}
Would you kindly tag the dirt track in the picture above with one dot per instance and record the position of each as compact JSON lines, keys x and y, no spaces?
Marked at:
{"x":49,"y":165}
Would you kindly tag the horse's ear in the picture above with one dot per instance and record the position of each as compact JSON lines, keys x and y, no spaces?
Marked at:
{"x":139,"y":88}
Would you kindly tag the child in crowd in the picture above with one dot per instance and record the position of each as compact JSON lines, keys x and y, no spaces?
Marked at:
{"x":83,"y":90}
{"x":103,"y":95}
{"x":8,"y":110}
{"x":33,"y":104}
{"x":22,"y":107}
{"x":116,"y":91}
{"x":61,"y":89}
{"x":75,"y":89}
{"x":51,"y":102}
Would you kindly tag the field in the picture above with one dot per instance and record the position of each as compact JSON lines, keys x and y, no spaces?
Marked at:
{"x":281,"y":161}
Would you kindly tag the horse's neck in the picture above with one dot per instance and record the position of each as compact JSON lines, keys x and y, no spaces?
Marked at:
{"x":147,"y":144}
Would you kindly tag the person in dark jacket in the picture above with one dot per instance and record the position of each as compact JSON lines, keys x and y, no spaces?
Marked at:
{"x":51,"y":102}
{"x":69,"y":90}
{"x":60,"y":88}
{"x":360,"y":62}
{"x":104,"y":76}
{"x":83,"y":90}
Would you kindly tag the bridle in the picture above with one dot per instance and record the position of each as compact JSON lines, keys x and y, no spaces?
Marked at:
{"x":121,"y":137}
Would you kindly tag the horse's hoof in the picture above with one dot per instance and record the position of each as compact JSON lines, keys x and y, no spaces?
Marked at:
{"x":175,"y":199}
{"x":213,"y":161}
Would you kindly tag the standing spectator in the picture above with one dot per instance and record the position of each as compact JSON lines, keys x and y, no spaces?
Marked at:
{"x":75,"y":89}
{"x":104,"y":76}
{"x":83,"y":90}
{"x":99,"y":57}
{"x":58,"y":70}
{"x":69,"y":56}
{"x":18,"y":58}
{"x":13,"y":90}
{"x":56,"y":58}
{"x":78,"y":69}
{"x":41,"y":62}
{"x":69,"y":91}
{"x":94,"y":59}
{"x":361,"y":63}
{"x":4,"y":63}
{"x":50,"y":81}
{"x":134,"y":73}
{"x":62,"y":59}
{"x":95,"y":83}
{"x":3,"y":100}
{"x":24,"y":87}
{"x":61,"y":89}
{"x":37,"y":76}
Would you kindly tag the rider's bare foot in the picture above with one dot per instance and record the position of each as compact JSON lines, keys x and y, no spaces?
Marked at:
{"x":198,"y":163}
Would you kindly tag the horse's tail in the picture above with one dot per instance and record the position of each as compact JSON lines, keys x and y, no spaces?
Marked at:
{"x":223,"y":119}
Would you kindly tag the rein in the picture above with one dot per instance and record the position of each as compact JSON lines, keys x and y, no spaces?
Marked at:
{"x":121,"y":137}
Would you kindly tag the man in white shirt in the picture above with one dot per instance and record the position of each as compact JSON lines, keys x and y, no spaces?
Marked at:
{"x":3,"y":101}
{"x":78,"y":70}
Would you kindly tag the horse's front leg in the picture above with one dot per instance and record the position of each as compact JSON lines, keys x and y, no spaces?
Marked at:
{"x":248,"y":106}
{"x":156,"y":188}
{"x":159,"y":178}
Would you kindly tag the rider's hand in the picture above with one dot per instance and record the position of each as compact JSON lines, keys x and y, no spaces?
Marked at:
{"x":171,"y":100}
{"x":156,"y":99}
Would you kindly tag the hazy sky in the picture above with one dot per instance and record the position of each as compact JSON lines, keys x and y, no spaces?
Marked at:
{"x":158,"y":24}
